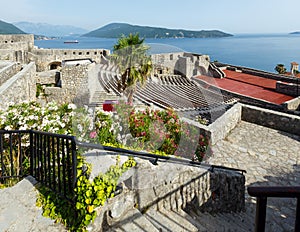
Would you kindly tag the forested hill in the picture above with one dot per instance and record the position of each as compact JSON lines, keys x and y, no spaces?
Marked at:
{"x":8,"y":28}
{"x":115,"y":30}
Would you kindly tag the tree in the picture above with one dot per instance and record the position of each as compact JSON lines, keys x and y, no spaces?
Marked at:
{"x":280,"y":69}
{"x":135,"y":65}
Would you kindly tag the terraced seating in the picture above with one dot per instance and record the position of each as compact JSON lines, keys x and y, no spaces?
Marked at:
{"x":108,"y":82}
{"x":180,"y":97}
{"x":167,"y":91}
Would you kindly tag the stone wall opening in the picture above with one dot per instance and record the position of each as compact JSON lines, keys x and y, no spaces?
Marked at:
{"x":55,"y":65}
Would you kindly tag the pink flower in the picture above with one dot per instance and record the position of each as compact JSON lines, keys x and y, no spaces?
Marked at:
{"x":93,"y":134}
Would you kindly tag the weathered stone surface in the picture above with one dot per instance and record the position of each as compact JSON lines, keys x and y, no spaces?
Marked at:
{"x":101,"y":161}
{"x":7,"y":70}
{"x":263,"y":167}
{"x":169,"y":187}
{"x":18,"y":210}
{"x":272,"y":119}
{"x":47,"y":77}
{"x":21,"y":87}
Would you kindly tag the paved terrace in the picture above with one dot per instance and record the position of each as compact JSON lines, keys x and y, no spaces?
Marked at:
{"x":271,"y":158}
{"x":248,"y":85}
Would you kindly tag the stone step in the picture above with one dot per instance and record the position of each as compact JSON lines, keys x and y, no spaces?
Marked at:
{"x":210,"y":222}
{"x":179,"y":219}
{"x":165,"y":222}
{"x":192,"y":220}
{"x":100,"y":96}
{"x":243,"y":221}
{"x":134,"y":220}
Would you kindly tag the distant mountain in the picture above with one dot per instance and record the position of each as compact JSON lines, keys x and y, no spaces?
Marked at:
{"x":8,"y":28}
{"x":295,"y":33}
{"x":114,"y":30}
{"x":49,"y":29}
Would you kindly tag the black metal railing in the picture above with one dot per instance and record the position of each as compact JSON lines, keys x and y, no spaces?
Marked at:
{"x":12,"y":153}
{"x":49,"y":158}
{"x":262,"y":194}
{"x":155,"y":158}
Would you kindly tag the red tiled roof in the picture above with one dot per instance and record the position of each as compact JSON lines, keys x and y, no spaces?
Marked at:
{"x":248,"y":85}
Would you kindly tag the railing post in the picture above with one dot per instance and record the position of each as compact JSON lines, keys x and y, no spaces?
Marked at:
{"x":297,"y":222}
{"x":74,"y":161}
{"x":31,"y":152}
{"x":261,"y":209}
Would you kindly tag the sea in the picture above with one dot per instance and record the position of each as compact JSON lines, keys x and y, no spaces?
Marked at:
{"x":258,"y":51}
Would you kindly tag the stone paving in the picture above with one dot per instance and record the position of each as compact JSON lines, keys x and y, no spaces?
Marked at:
{"x":271,"y":158}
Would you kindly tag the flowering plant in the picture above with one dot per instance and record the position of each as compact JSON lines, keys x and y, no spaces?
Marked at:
{"x":26,"y":116}
{"x":31,"y":115}
{"x":153,"y":130}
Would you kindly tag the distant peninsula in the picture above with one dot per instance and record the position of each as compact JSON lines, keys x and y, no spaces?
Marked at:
{"x":295,"y":33}
{"x":8,"y":28}
{"x":115,"y":30}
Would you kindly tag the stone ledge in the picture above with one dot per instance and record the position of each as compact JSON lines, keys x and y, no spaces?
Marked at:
{"x":272,"y":119}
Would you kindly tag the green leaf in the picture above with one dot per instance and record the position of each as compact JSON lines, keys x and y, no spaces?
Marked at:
{"x":88,"y":193}
{"x":88,"y":217}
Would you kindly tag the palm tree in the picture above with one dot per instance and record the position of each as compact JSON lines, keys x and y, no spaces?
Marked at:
{"x":135,"y":65}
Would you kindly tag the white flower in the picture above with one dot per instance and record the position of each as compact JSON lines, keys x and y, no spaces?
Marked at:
{"x":116,"y":117}
{"x":79,"y":127}
{"x":90,"y":111}
{"x":11,"y":104}
{"x":91,"y":126}
{"x":8,"y":128}
{"x":24,"y":127}
{"x":72,"y":107}
{"x":31,"y":117}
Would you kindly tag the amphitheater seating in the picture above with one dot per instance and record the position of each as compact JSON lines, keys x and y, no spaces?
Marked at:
{"x":170,"y":91}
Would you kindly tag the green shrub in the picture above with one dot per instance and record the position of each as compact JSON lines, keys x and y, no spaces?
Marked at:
{"x":89,"y":195}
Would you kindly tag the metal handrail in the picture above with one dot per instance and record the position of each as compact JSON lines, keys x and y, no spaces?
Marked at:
{"x":263,"y":192}
{"x":43,"y":165}
{"x":155,"y":157}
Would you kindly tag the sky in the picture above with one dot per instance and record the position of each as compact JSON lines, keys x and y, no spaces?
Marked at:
{"x":232,"y":16}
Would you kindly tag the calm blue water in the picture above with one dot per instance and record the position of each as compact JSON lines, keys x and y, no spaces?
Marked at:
{"x":256,"y":51}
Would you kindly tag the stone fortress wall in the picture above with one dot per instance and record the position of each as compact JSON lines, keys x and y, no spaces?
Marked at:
{"x":17,"y":42}
{"x":47,"y":59}
{"x":7,"y":70}
{"x":181,"y":63}
{"x":17,"y":52}
{"x":16,"y":47}
{"x":74,"y":86}
{"x":20,"y":87}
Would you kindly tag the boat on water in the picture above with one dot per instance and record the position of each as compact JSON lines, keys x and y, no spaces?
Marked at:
{"x":71,"y":41}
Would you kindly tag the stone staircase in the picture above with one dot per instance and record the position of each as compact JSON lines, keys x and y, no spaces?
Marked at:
{"x":100,"y":96}
{"x":193,"y":220}
{"x":173,"y":197}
